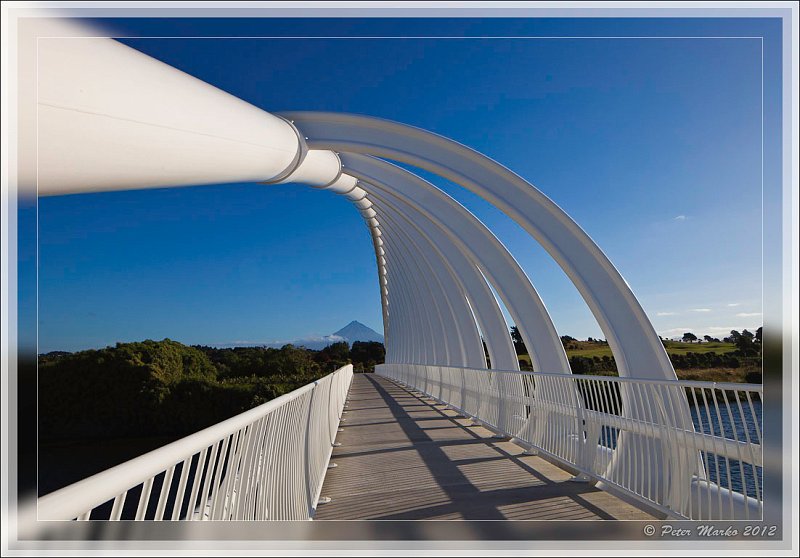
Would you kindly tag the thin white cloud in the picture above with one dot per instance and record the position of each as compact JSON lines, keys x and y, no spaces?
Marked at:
{"x":679,"y":218}
{"x":747,"y":314}
{"x":732,"y":304}
{"x":675,"y":331}
{"x":714,"y":331}
{"x":310,"y":340}
{"x":666,"y":313}
{"x":721,"y":329}
{"x":701,"y":309}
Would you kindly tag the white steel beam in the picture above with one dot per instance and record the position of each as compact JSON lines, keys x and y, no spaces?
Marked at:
{"x":112,"y":118}
{"x":637,"y":349}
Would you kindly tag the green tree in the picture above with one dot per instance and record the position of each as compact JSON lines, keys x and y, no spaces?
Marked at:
{"x":366,"y":354}
{"x":734,"y":337}
{"x":745,"y":344}
{"x":689,"y":337}
{"x":519,"y":344}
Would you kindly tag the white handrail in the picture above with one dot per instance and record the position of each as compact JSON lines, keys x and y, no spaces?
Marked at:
{"x":689,"y":449}
{"x":234,"y":461}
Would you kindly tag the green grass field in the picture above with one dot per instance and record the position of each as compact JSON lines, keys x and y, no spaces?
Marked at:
{"x":679,"y":348}
{"x":591,"y":350}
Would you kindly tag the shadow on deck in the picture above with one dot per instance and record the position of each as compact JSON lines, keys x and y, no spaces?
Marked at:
{"x":407,"y":457}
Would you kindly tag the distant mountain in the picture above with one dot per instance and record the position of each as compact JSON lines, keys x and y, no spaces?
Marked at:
{"x":356,"y":331}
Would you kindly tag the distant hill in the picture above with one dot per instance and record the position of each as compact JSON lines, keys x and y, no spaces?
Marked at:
{"x":356,"y":331}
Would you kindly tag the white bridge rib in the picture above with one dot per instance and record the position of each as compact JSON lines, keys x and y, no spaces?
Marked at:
{"x":111,"y":118}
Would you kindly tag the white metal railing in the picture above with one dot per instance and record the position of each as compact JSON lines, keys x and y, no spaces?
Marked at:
{"x":266,"y":463}
{"x":689,"y":449}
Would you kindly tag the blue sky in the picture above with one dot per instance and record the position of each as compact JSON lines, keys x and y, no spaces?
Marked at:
{"x":652,"y":145}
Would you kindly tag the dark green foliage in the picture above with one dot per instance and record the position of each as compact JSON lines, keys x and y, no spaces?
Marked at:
{"x":606,"y":365}
{"x":754,"y":378}
{"x":366,"y":354}
{"x":259,"y":361}
{"x":519,"y":344}
{"x":115,"y":391}
{"x":748,"y":344}
{"x":333,"y":356}
{"x":595,"y":365}
{"x":569,"y":342}
{"x":165,"y":388}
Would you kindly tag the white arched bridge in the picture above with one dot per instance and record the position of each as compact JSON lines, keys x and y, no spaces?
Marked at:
{"x":445,"y":428}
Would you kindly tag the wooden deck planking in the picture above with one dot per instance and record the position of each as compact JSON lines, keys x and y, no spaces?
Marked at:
{"x":406,"y":457}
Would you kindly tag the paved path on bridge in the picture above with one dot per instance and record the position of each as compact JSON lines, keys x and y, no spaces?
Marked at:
{"x":407,"y":457}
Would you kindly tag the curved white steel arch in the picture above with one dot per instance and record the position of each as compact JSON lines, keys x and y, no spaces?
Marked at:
{"x":506,"y":384}
{"x":463,"y":322}
{"x":487,"y":311}
{"x":471,"y":352}
{"x":457,"y":327}
{"x":637,"y":349}
{"x":421,"y":331}
{"x":486,"y":251}
{"x":451,"y":339}
{"x":112,"y":118}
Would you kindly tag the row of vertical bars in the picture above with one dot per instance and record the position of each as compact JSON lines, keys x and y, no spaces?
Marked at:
{"x":691,"y":449}
{"x":270,"y":469}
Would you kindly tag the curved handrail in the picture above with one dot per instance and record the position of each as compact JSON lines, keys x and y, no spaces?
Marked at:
{"x":709,"y":469}
{"x":82,"y":497}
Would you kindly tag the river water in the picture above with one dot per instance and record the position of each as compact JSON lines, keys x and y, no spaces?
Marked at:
{"x":734,"y":420}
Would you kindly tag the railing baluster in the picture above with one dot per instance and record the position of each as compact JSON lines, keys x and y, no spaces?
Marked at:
{"x":756,"y":481}
{"x":206,"y":493}
{"x":648,"y":440}
{"x":646,"y":432}
{"x":739,"y":451}
{"x":236,"y":471}
{"x":116,"y":508}
{"x":162,"y":498}
{"x":181,"y":493}
{"x":198,"y":475}
{"x":144,"y":499}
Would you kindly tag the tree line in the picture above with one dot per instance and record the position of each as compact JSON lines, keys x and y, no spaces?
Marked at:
{"x":747,"y":343}
{"x":166,"y":388}
{"x":746,"y":354}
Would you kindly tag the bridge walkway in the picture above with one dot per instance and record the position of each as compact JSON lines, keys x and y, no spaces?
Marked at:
{"x":405,"y":457}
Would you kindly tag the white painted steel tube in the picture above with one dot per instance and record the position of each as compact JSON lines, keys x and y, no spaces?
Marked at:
{"x":422,"y":332}
{"x":485,"y":250}
{"x":397,"y":308}
{"x":636,"y":346}
{"x":442,"y":343}
{"x":474,"y":286}
{"x":112,"y":118}
{"x":319,"y":169}
{"x":463,"y":273}
{"x":380,"y":264}
{"x":460,"y":330}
